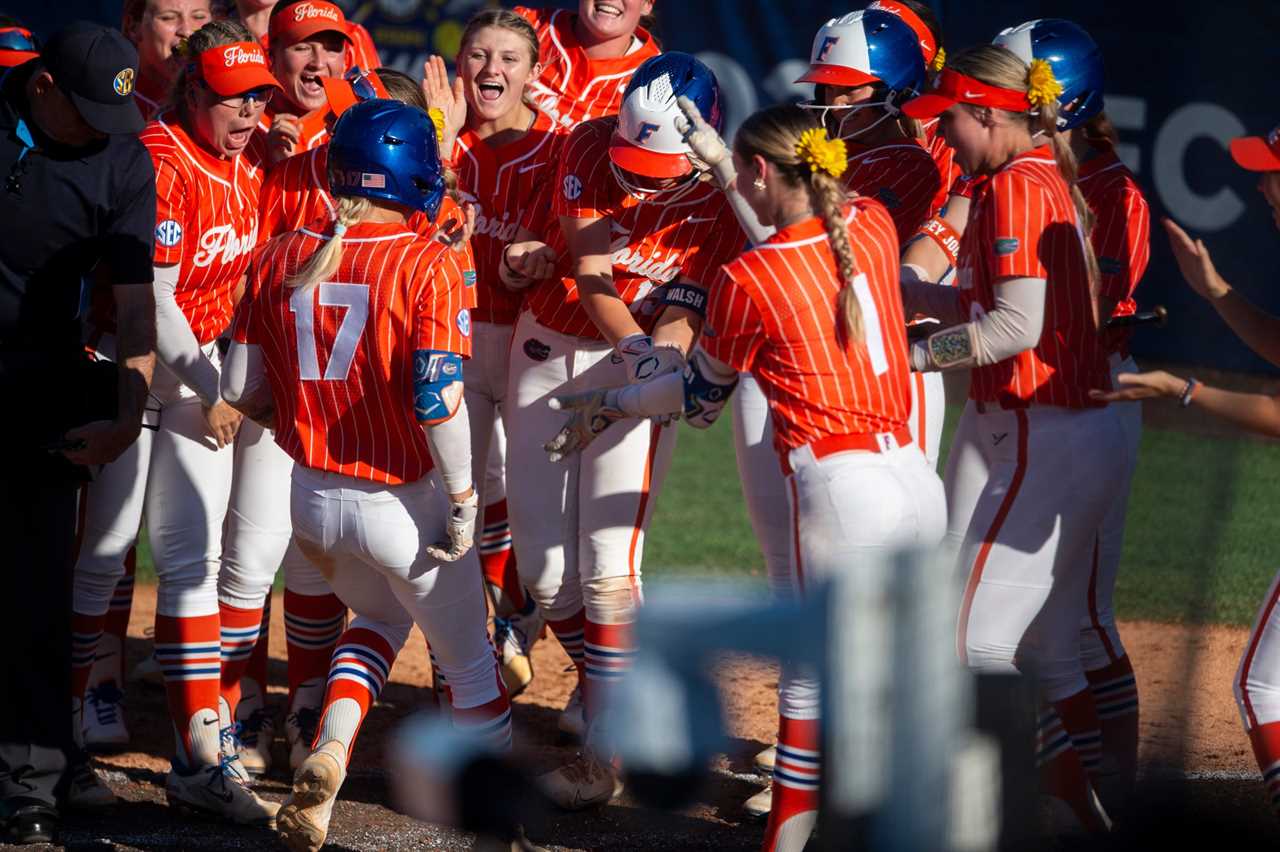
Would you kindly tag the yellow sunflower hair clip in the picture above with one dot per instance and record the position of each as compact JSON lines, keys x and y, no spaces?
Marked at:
{"x":939,"y":60}
{"x":437,"y":118}
{"x":821,"y":153}
{"x":1042,"y":88}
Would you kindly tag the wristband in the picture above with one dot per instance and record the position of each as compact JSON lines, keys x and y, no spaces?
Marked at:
{"x":1189,"y":392}
{"x":686,"y":296}
{"x":967,"y":186}
{"x":947,"y":238}
{"x":506,"y":264}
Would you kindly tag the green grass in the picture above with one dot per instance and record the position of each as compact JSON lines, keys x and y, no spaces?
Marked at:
{"x":1200,"y":545}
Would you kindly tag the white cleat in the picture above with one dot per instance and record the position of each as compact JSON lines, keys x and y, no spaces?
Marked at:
{"x":584,"y":782}
{"x":759,"y":805}
{"x":229,"y":743}
{"x":147,"y":671}
{"x":766,"y":759}
{"x":217,"y":791}
{"x":303,"y":822}
{"x":257,"y":730}
{"x":87,"y":792}
{"x":303,"y":720}
{"x":573,"y":720}
{"x":104,"y":727}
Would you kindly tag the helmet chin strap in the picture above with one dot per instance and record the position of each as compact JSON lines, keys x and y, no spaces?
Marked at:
{"x":890,"y":111}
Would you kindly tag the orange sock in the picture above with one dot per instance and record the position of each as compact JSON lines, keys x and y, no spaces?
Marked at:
{"x":498,"y":560}
{"x":1063,"y":771}
{"x":240,"y":631}
{"x":490,"y":722}
{"x":312,"y":627}
{"x":607,"y":656}
{"x":1115,"y":693}
{"x":85,"y":632}
{"x":361,"y":664}
{"x":117,"y":621}
{"x":1266,"y":748}
{"x":257,"y":668}
{"x":796,"y":776}
{"x":188,"y":651}
{"x":570,"y":632}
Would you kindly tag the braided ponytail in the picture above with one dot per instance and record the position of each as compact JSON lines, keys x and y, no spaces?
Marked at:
{"x":793,"y":141}
{"x":323,"y":263}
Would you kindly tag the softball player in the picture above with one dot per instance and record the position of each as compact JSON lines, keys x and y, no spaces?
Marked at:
{"x":1257,"y":681}
{"x":1033,"y":467}
{"x":308,"y":41}
{"x":588,"y":57}
{"x":259,"y":531}
{"x":207,"y":194}
{"x":158,"y":28}
{"x":1121,"y":240}
{"x":256,"y":15}
{"x":815,"y":315}
{"x":643,"y":236}
{"x":506,"y":157}
{"x":363,"y":381}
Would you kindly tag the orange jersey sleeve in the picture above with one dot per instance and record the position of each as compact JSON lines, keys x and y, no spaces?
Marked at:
{"x":443,"y":321}
{"x":734,"y":330}
{"x":296,"y":192}
{"x":585,"y":185}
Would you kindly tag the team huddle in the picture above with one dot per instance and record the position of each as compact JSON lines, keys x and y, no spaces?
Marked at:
{"x":427,"y":346}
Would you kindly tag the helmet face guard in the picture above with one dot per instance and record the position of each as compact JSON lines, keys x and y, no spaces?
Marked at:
{"x":386,"y":150}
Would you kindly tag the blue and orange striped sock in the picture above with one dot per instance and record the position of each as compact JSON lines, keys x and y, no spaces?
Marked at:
{"x":1266,"y":749}
{"x":607,"y":654}
{"x":188,"y":650}
{"x":498,"y":560}
{"x":796,"y":776}
{"x":570,"y":633}
{"x":360,"y":667}
{"x":240,"y":628}
{"x":312,"y":627}
{"x":1115,"y":693}
{"x":86,"y":630}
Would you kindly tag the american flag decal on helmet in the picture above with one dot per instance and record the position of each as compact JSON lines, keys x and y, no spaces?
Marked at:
{"x":373,"y":181}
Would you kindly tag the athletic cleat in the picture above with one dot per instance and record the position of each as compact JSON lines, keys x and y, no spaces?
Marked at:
{"x":217,"y":791}
{"x":147,"y":671}
{"x":257,"y":732}
{"x":86,"y":791}
{"x":104,"y":728}
{"x":760,"y":804}
{"x":229,"y":745}
{"x":303,"y":720}
{"x":572,"y":718}
{"x":766,"y":759}
{"x":517,"y":668}
{"x":584,"y":782}
{"x":303,"y":822}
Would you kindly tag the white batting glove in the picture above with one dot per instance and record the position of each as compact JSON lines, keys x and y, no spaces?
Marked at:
{"x":646,"y":360}
{"x":591,"y":412}
{"x":705,"y":142}
{"x":461,"y":529}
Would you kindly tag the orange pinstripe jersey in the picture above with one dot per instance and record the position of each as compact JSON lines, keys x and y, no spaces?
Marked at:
{"x":339,"y":357}
{"x":944,"y":157}
{"x":653,"y":242}
{"x":505,"y":184}
{"x":901,"y":175}
{"x":572,"y":87}
{"x":313,"y":127}
{"x":206,"y":221}
{"x":1025,"y":226}
{"x":773,"y":313}
{"x":1121,"y":234}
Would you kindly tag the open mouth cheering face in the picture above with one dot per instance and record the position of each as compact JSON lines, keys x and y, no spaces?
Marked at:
{"x":608,"y":19}
{"x":495,"y":64}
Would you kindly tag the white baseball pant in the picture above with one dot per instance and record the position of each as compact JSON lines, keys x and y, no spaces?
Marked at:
{"x":763,"y":485}
{"x":928,"y":414}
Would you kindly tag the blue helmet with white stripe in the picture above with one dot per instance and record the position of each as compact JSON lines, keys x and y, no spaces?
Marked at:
{"x":1074,"y":57}
{"x":647,"y":141}
{"x":387,"y":150}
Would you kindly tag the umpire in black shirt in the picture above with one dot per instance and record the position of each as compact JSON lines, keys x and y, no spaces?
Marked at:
{"x":77,"y":197}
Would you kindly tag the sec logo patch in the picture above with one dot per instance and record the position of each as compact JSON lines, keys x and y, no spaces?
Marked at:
{"x":464,"y":322}
{"x":572,"y":187}
{"x":168,"y":233}
{"x":123,"y":83}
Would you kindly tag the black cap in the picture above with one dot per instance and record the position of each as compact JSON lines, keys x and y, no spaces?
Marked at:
{"x":97,"y":68}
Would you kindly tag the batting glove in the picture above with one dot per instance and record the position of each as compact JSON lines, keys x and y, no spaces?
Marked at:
{"x":645,"y":360}
{"x":461,"y":529}
{"x":707,"y":146}
{"x":591,"y":412}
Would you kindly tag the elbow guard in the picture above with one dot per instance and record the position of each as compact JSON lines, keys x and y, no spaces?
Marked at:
{"x":705,"y":393}
{"x":437,"y":385}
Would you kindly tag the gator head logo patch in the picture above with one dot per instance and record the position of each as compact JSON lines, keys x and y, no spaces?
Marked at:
{"x":536,"y":349}
{"x":1006,"y":245}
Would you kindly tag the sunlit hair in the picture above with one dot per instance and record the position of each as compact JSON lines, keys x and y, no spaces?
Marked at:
{"x":212,"y":34}
{"x":503,"y":19}
{"x":774,"y":134}
{"x":324,"y":263}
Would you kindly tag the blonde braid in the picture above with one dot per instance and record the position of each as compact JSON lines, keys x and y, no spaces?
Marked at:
{"x":323,"y":263}
{"x":828,"y":200}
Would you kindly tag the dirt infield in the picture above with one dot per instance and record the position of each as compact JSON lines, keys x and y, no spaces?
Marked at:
{"x":1191,"y":735}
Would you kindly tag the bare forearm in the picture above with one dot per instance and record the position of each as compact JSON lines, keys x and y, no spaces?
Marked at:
{"x":607,"y":310}
{"x":1258,"y":329}
{"x":677,"y":327}
{"x":1253,"y":411}
{"x":135,"y":350}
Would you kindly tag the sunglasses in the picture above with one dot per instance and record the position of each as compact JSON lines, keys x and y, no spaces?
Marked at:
{"x":18,"y":39}
{"x":259,"y":96}
{"x":361,"y":83}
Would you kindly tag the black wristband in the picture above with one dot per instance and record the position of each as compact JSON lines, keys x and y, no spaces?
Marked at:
{"x":686,"y":296}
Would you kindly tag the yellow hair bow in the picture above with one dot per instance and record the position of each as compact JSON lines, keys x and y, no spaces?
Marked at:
{"x":821,"y":153}
{"x":1043,"y":88}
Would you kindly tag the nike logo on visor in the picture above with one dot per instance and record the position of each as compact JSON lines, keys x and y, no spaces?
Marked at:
{"x":969,"y":94}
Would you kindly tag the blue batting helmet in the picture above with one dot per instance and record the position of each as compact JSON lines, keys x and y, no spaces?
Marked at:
{"x":647,"y":141}
{"x":387,"y":150}
{"x":1074,"y":57}
{"x":865,"y":48}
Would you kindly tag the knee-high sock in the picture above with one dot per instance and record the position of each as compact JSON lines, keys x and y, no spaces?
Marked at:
{"x":1115,"y":693}
{"x":86,"y":630}
{"x":490,"y":722}
{"x":188,"y":651}
{"x":796,"y":776}
{"x":258,"y":659}
{"x":571,"y":633}
{"x":1266,"y":748}
{"x":240,"y":632}
{"x":312,"y":627}
{"x":359,"y":670}
{"x":608,"y":654}
{"x":1068,"y":752}
{"x":498,"y":560}
{"x":117,"y":622}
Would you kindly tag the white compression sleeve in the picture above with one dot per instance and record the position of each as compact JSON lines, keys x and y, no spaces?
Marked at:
{"x":176,"y":345}
{"x":244,"y":376}
{"x":1014,"y":325}
{"x":450,"y":443}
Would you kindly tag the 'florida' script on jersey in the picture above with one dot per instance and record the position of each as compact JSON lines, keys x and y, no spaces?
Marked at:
{"x":222,"y":243}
